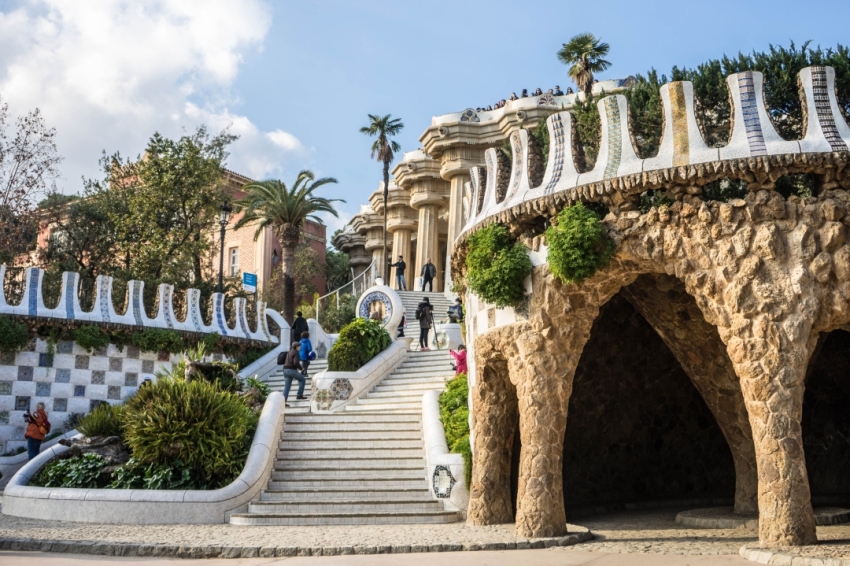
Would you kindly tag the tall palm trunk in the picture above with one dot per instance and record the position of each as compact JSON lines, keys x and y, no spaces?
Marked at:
{"x":386,"y":267}
{"x":289,"y":237}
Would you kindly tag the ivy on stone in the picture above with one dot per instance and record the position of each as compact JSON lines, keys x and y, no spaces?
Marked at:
{"x":496,"y":266}
{"x":578,"y":244}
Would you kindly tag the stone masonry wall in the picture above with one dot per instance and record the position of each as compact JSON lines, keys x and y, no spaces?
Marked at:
{"x":637,"y":428}
{"x":69,"y":381}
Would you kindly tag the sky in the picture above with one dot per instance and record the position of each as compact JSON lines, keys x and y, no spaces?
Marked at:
{"x":297,"y":79}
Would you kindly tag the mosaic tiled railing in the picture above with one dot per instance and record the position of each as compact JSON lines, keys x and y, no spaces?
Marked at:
{"x":682,"y":144}
{"x":103,"y":311}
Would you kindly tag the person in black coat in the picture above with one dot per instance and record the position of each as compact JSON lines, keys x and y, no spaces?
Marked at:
{"x":299,"y":326}
{"x":400,"y":266}
{"x":429,"y":272}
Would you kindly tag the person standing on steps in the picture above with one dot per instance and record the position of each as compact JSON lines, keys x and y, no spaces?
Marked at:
{"x":292,"y":370}
{"x":401,"y":285}
{"x":429,"y":272}
{"x":425,"y":316}
{"x":299,"y":326}
{"x":306,"y":353}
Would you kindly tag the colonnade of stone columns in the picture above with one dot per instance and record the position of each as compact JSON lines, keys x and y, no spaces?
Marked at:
{"x":766,"y":274}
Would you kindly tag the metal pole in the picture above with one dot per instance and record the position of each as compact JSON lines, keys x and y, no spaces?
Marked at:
{"x":221,"y":261}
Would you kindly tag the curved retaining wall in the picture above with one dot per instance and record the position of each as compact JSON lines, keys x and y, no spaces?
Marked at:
{"x":444,"y":471}
{"x":144,"y":506}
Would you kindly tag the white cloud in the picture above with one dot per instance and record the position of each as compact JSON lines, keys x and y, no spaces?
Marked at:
{"x":108,"y":73}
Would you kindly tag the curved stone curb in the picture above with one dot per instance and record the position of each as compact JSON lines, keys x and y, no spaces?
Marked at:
{"x":212,"y":551}
{"x":724,"y":518}
{"x":141,"y":506}
{"x":768,"y":556}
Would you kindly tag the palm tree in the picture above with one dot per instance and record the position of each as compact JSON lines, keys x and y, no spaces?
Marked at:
{"x":584,"y":53}
{"x":271,"y":203}
{"x":384,"y":149}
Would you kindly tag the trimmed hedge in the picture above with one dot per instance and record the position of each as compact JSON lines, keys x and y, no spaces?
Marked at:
{"x":578,"y":244}
{"x":359,"y":341}
{"x":496,"y":266}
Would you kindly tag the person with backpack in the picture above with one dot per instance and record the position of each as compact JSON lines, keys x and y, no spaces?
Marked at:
{"x":400,"y":266}
{"x":425,"y":316}
{"x":306,"y":353}
{"x":429,"y":272}
{"x":291,"y":370}
{"x":37,"y":428}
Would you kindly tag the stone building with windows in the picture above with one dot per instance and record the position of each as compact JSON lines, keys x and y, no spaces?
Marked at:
{"x":426,"y":191}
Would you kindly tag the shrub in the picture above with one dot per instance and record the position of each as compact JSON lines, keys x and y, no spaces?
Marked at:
{"x":333,"y":318}
{"x":261,"y":386}
{"x":454,"y":413}
{"x":497,"y":266}
{"x":195,"y":422}
{"x":91,"y":338}
{"x":13,"y":335}
{"x":578,"y":244}
{"x":159,"y":340}
{"x":359,"y":341}
{"x":104,"y":420}
{"x":81,"y":471}
{"x":173,"y":475}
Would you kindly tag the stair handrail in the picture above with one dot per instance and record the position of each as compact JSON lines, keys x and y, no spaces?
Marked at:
{"x":362,"y":282}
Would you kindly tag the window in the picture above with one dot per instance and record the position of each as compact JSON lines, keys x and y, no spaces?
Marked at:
{"x":234,"y":262}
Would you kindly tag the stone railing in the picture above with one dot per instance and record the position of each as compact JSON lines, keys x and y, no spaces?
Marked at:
{"x":755,"y":152}
{"x":445,"y":470}
{"x":103,"y":312}
{"x":148,"y":506}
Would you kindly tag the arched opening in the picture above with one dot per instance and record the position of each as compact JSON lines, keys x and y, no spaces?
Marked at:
{"x":637,"y":428}
{"x":826,"y":421}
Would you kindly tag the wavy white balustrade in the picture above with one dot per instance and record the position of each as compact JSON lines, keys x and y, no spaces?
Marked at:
{"x":32,"y":304}
{"x":682,"y":144}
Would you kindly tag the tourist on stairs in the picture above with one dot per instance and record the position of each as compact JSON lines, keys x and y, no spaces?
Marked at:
{"x":291,"y":370}
{"x":429,"y":272}
{"x":299,"y":326}
{"x":425,"y":316}
{"x":401,"y":285}
{"x":460,"y":359}
{"x":306,"y":353}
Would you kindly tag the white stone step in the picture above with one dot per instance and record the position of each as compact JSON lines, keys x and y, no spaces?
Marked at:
{"x":349,"y":464}
{"x":338,"y":418}
{"x":401,"y":407}
{"x":393,"y":453}
{"x":330,"y":443}
{"x":391,"y":477}
{"x":346,"y":506}
{"x":410,"y":398}
{"x":354,"y":435}
{"x":413,"y":380}
{"x":397,"y":387}
{"x":329,"y":494}
{"x":352,"y":518}
{"x":373,"y":427}
{"x":403,"y":394}
{"x":293,"y":481}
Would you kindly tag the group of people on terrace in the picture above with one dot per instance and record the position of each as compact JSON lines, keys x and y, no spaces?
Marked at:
{"x":538,"y":92}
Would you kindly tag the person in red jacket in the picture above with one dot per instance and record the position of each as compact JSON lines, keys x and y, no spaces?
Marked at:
{"x":460,"y":359}
{"x":37,"y":428}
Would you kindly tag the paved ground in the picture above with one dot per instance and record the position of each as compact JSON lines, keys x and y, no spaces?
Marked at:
{"x":633,"y":537}
{"x":548,"y":557}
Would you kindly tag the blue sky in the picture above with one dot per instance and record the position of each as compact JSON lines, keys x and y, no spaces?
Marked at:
{"x":297,"y":79}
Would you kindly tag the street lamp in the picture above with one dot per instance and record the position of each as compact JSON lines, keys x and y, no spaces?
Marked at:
{"x":223,"y":218}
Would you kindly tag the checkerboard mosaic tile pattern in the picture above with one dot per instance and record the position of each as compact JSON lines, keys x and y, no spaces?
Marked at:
{"x":71,"y":380}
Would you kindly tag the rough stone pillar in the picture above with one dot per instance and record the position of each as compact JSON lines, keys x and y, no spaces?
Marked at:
{"x":493,"y":425}
{"x":427,"y":240}
{"x":401,"y":247}
{"x":664,"y":303}
{"x":772,"y":370}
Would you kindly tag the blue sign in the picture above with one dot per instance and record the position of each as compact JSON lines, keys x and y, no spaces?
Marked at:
{"x":249,"y":282}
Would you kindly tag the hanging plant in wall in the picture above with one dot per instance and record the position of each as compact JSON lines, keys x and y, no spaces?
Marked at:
{"x":496,"y":266}
{"x":578,"y":244}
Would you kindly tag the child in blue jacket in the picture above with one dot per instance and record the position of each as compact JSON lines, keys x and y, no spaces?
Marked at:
{"x":306,"y":353}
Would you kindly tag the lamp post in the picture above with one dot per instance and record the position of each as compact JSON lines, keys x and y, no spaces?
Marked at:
{"x":223,"y":218}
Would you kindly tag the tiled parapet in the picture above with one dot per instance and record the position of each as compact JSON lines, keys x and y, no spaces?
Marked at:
{"x":75,"y":379}
{"x":683,"y":156}
{"x":134,"y":315}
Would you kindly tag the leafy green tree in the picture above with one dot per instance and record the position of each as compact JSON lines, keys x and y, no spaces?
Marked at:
{"x":272,"y":203}
{"x":337,"y":269}
{"x":585,"y":55}
{"x":384,"y":150}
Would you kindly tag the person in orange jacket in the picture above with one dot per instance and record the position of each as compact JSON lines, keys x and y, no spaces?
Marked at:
{"x":37,"y":428}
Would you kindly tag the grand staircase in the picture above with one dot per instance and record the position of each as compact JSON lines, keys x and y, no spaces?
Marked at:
{"x":276,"y":382}
{"x":362,"y":465}
{"x":410,"y":300}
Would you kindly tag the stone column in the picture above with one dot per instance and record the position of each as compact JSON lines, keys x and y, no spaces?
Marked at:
{"x":772,"y":370}
{"x":493,"y":424}
{"x":427,"y":239}
{"x":664,"y":303}
{"x":456,"y":184}
{"x":401,"y":247}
